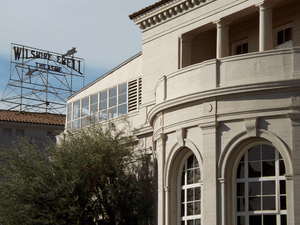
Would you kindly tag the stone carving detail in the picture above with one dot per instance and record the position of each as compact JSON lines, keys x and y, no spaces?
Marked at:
{"x":171,"y":12}
{"x":251,"y":127}
{"x":180,"y":136}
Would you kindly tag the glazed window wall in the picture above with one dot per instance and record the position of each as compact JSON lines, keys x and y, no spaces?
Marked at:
{"x":261,"y":196}
{"x":190,"y":193}
{"x":104,"y":105}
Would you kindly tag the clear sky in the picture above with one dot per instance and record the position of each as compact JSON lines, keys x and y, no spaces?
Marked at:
{"x":99,"y":29}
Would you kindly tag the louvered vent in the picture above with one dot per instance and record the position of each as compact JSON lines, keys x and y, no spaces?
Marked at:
{"x":140,"y":91}
{"x":134,"y":94}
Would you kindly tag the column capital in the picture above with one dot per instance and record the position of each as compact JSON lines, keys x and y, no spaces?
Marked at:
{"x":266,"y":4}
{"x":222,"y":23}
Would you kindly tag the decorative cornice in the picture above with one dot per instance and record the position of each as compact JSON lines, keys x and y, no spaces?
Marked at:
{"x":163,"y":13}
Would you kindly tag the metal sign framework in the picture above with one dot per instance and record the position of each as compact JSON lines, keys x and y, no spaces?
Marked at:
{"x":41,"y":80}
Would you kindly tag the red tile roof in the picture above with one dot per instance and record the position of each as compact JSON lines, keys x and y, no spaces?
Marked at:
{"x":144,"y":10}
{"x":32,"y":117}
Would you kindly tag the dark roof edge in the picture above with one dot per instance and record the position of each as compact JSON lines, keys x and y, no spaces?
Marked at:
{"x":146,"y":9}
{"x":104,"y":75}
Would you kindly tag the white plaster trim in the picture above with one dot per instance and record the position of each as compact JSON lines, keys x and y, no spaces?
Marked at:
{"x":172,"y":157}
{"x":243,"y":136}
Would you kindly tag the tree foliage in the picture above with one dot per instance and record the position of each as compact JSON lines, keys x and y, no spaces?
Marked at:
{"x":91,"y":177}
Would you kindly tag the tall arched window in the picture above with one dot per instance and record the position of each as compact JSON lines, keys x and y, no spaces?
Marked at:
{"x":260,"y":194}
{"x":190,"y":192}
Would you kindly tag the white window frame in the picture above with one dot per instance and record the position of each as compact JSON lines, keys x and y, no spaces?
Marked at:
{"x":234,"y":45}
{"x":179,"y":188}
{"x":287,"y":44}
{"x":275,"y":178}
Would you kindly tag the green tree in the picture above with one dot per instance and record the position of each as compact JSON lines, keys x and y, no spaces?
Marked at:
{"x":91,"y":177}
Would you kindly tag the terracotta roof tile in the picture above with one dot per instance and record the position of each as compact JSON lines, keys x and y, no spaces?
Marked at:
{"x":32,"y":117}
{"x":144,"y":10}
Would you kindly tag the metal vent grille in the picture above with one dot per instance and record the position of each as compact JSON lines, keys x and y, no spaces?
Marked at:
{"x":140,"y":91}
{"x":134,"y":94}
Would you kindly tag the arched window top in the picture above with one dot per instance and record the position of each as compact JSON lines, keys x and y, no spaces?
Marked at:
{"x":260,"y":195}
{"x":190,"y":192}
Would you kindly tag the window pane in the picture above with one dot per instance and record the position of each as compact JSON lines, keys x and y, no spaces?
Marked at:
{"x":268,"y":187}
{"x":182,"y":196}
{"x":112,"y":92}
{"x":282,"y":187}
{"x":122,"y":109}
{"x":197,"y":208}
{"x":103,"y":95}
{"x":84,"y":122}
{"x":103,"y":105}
{"x":190,"y":162}
{"x":112,"y":101}
{"x":94,"y":108}
{"x":280,"y":37}
{"x":254,"y":153}
{"x":241,"y":220}
{"x":94,"y":118}
{"x":94,"y":99}
{"x":255,"y":219}
{"x":281,"y":168}
{"x":182,"y":210}
{"x":240,"y":204}
{"x":283,"y":202}
{"x":190,"y":208}
{"x":122,"y":88}
{"x":269,"y":203}
{"x":268,"y":168}
{"x":268,"y":152}
{"x":240,"y":189}
{"x":190,"y":194}
{"x":254,"y":203}
{"x":190,"y":222}
{"x":122,"y":98}
{"x":69,"y":126}
{"x":190,"y":177}
{"x":241,"y":171}
{"x":85,"y":107}
{"x":197,"y":175}
{"x":182,"y":178}
{"x":254,"y":188}
{"x":288,"y":34}
{"x":283,"y":220}
{"x":269,"y":219}
{"x":245,"y":48}
{"x":103,"y":115}
{"x":69,"y":110}
{"x":254,"y":169}
{"x":76,"y":110}
{"x":238,"y":49}
{"x":198,"y":222}
{"x":76,"y":124}
{"x":197,"y":193}
{"x":112,"y":112}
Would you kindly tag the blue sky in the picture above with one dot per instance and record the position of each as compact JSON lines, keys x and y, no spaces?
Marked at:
{"x":100,"y":30}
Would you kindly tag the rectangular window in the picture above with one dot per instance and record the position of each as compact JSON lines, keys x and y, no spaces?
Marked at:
{"x":105,"y":105}
{"x":76,"y":115}
{"x":240,"y":47}
{"x":283,"y":37}
{"x":94,"y":108}
{"x":85,"y":111}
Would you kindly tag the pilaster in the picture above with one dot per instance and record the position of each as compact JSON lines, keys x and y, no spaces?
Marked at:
{"x":293,"y":181}
{"x":160,"y":149}
{"x":209,"y":173}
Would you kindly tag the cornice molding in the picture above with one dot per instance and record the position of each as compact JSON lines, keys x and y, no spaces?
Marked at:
{"x":247,"y":88}
{"x":167,"y":11}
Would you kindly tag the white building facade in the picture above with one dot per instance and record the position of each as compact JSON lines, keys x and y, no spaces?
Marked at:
{"x":215,"y":100}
